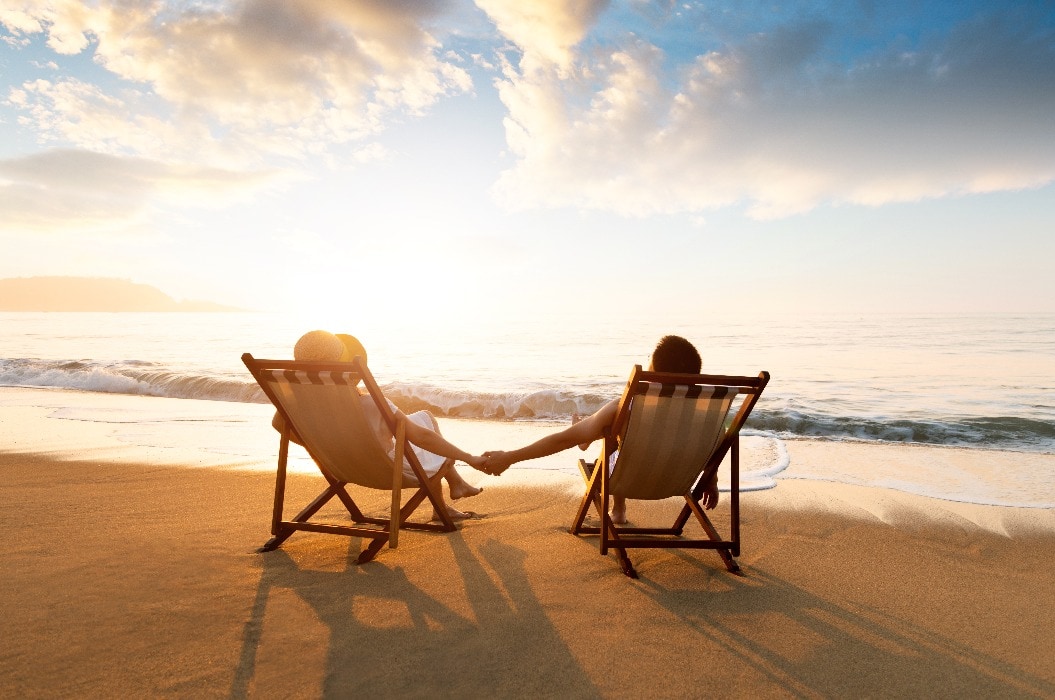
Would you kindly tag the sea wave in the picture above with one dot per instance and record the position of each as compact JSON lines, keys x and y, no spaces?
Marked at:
{"x":541,"y":405}
{"x":128,"y":377}
{"x":990,"y":432}
{"x":786,"y":419}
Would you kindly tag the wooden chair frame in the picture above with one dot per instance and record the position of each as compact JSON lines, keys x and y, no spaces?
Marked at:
{"x":596,"y":477}
{"x":378,"y":530}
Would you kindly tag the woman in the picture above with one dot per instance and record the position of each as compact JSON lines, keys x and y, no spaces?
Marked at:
{"x":430,"y":447}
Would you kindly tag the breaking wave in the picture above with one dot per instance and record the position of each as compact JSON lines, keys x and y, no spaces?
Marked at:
{"x":780,"y":418}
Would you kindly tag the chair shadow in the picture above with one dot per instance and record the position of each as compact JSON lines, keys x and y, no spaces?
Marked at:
{"x":796,"y":638}
{"x":490,"y":645}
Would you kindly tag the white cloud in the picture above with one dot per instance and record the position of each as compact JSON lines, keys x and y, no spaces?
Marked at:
{"x":546,"y":31}
{"x":70,"y":190}
{"x":190,"y":90}
{"x":774,"y":126}
{"x":778,"y":122}
{"x":20,"y":20}
{"x":263,"y":76}
{"x":72,"y":112}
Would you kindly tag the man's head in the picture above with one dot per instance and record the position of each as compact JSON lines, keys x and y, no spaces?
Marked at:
{"x":675,"y":354}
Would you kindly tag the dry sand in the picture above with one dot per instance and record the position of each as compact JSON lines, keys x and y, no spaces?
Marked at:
{"x":136,"y":580}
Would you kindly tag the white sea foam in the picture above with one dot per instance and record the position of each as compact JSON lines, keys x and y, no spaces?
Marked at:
{"x":546,"y":404}
{"x":974,"y":381}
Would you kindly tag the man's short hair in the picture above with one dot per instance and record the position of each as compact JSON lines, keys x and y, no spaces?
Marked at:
{"x":675,"y":354}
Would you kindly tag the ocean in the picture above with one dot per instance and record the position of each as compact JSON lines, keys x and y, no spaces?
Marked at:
{"x":978,"y":381}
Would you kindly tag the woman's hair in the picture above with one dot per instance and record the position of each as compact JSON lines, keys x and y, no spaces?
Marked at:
{"x":675,"y":354}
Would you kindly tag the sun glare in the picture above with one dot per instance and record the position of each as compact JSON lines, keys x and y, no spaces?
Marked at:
{"x":425,"y":291}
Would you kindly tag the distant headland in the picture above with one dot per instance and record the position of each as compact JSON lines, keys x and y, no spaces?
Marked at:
{"x":91,"y":294}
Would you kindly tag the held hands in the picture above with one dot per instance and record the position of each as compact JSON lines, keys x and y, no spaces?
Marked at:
{"x":478,"y":462}
{"x":492,"y":462}
{"x":495,"y":462}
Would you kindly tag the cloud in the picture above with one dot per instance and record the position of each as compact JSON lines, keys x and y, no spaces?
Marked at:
{"x":265,"y":75}
{"x":69,"y":189}
{"x":546,"y":31}
{"x":20,"y":20}
{"x":73,"y":112}
{"x":779,"y":121}
{"x":775,"y":124}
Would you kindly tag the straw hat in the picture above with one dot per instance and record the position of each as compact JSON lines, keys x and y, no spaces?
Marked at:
{"x":352,"y":348}
{"x":318,"y":346}
{"x":323,"y":346}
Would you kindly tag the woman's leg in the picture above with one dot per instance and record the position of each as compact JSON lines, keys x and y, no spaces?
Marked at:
{"x":458,"y":486}
{"x":452,"y":512}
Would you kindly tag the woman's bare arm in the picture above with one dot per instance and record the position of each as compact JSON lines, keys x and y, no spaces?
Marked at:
{"x":437,"y":444}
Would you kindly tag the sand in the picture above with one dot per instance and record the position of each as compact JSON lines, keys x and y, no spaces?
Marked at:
{"x":125,"y":580}
{"x":130,"y":570}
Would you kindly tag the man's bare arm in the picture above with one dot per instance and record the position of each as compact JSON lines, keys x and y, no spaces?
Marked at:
{"x":585,"y":431}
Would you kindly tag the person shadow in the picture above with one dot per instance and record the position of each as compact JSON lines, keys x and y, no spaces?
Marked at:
{"x":795,"y":638}
{"x":441,"y":650}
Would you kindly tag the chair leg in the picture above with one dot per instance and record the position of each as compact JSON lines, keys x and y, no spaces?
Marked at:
{"x":591,"y":475}
{"x":730,"y":563}
{"x":371,"y":551}
{"x":613,"y":538}
{"x":280,"y":487}
{"x":273,"y":543}
{"x":580,"y":515}
{"x":592,"y":485}
{"x":349,"y":504}
{"x":625,"y":564}
{"x":426,"y":491}
{"x":712,"y":533}
{"x":282,"y":533}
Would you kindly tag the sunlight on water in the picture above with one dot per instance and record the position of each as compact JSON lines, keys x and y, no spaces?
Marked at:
{"x":969,"y":381}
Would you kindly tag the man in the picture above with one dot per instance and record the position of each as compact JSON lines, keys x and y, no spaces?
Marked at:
{"x":672,"y":354}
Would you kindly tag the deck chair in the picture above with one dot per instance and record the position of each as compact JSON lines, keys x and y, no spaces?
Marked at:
{"x":672,"y":432}
{"x":321,"y":403}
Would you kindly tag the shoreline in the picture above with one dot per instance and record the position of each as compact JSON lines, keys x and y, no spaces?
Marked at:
{"x":123,"y":428}
{"x":141,"y":579}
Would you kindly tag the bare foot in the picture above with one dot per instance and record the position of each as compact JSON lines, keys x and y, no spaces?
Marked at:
{"x":454,"y":514}
{"x":619,"y":511}
{"x":463,"y":490}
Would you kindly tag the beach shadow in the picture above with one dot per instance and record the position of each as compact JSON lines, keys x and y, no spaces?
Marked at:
{"x":524,"y":650}
{"x":503,"y":646}
{"x":795,"y":638}
{"x":329,"y":594}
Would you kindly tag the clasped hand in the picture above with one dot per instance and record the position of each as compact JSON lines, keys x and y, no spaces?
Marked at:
{"x":494,"y":462}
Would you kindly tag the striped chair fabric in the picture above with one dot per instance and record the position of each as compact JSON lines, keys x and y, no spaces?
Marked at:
{"x":337,"y":424}
{"x":673,"y":430}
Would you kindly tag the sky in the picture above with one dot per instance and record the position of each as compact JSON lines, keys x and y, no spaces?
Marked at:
{"x":467,"y":160}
